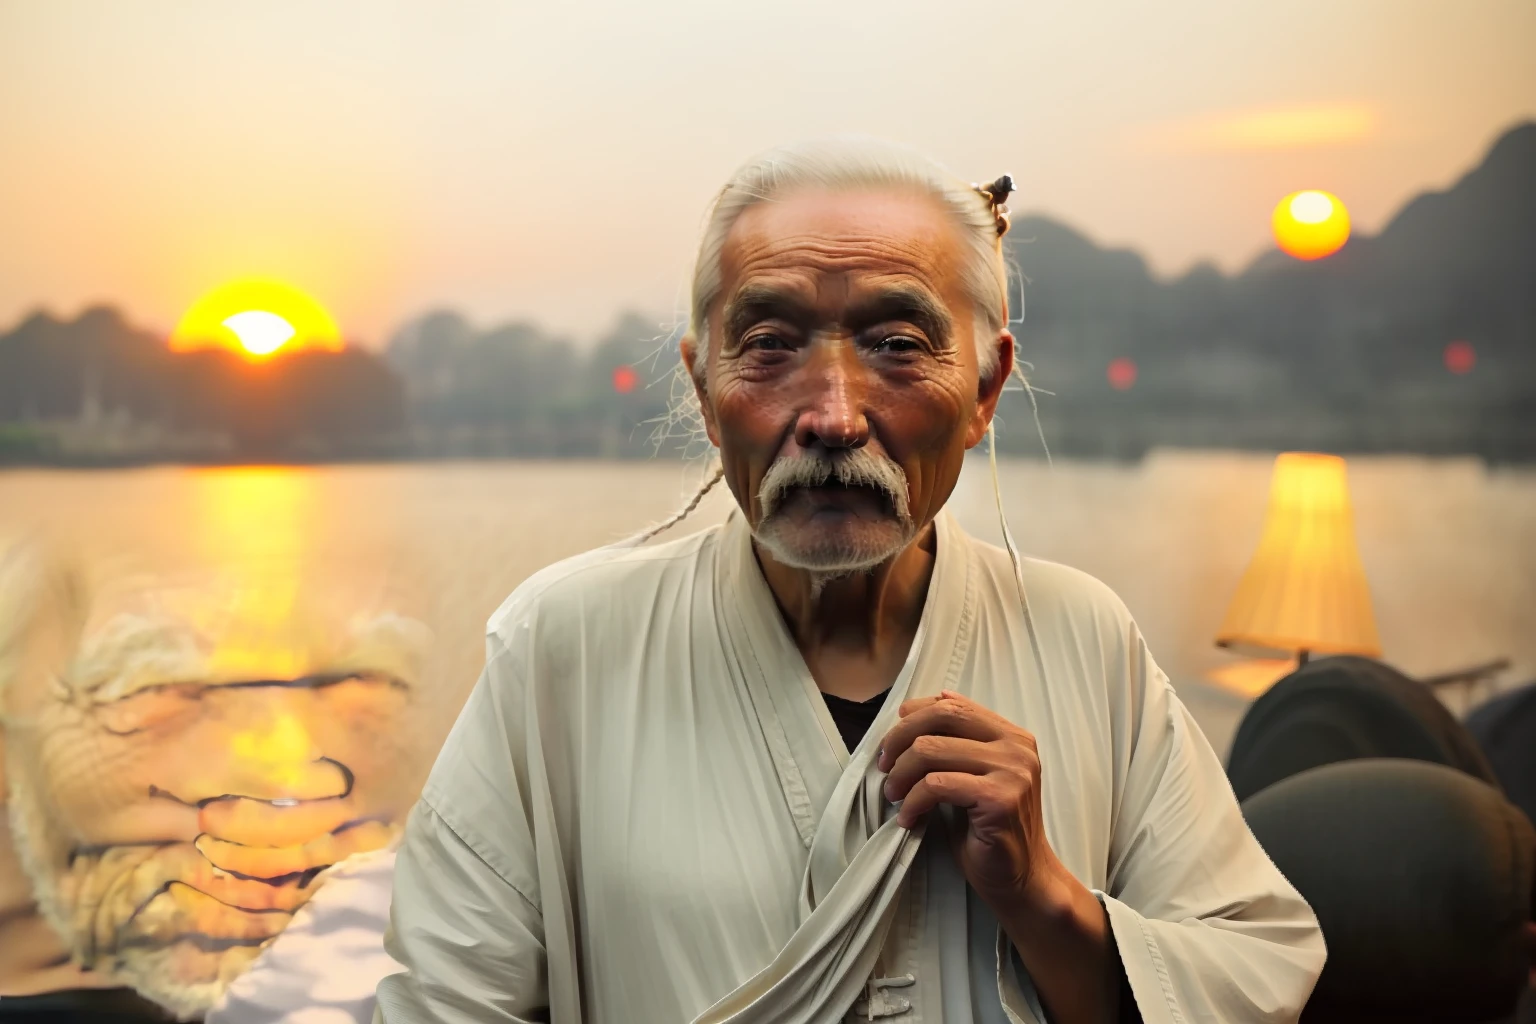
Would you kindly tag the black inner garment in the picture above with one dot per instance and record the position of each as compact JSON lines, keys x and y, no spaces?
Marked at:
{"x":854,"y":717}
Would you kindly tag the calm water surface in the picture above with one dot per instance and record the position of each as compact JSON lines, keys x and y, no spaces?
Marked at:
{"x":1449,"y":545}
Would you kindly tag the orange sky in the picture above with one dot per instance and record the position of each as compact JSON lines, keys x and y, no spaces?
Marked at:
{"x":554,"y":162}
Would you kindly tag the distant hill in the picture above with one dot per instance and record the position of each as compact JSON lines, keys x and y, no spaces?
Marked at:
{"x":97,"y":390}
{"x":1344,"y":353}
{"x":515,"y":390}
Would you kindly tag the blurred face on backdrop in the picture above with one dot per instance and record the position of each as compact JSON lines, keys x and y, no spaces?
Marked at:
{"x":175,"y":793}
{"x":841,"y":383}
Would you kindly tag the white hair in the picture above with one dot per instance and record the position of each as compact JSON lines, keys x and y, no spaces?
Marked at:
{"x":849,"y":163}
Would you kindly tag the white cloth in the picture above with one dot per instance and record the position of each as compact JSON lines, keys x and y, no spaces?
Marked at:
{"x":324,"y":967}
{"x":646,"y":813}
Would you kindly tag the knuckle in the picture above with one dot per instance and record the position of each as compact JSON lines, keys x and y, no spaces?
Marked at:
{"x":1020,"y":739}
{"x":1022,"y":787}
{"x":928,"y":745}
{"x":940,"y":781}
{"x":950,"y":710}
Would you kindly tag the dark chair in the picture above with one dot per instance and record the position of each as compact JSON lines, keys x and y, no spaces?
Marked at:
{"x":1421,"y":877}
{"x":1342,"y":708}
{"x":1505,"y":729}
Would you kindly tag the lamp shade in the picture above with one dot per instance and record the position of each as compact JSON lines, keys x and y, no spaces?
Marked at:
{"x":1305,"y":590}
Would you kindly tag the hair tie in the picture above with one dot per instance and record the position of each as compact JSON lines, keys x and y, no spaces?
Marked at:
{"x":996,"y":194}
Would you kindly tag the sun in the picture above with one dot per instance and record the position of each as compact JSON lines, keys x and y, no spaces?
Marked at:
{"x":257,"y":317}
{"x":260,"y":333}
{"x":1310,"y":225}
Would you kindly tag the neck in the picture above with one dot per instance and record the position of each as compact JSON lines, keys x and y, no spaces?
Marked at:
{"x":874,"y":612}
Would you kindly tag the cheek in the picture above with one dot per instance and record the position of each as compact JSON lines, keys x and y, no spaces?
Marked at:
{"x":923,"y":427}
{"x":750,"y":425}
{"x":922,"y":417}
{"x":84,"y":768}
{"x":749,"y":414}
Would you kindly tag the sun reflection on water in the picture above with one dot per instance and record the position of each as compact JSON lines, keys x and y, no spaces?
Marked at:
{"x":254,"y":521}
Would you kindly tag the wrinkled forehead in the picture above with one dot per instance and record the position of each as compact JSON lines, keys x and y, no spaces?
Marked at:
{"x":828,"y":248}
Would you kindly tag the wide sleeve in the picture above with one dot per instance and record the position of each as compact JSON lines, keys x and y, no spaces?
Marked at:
{"x":465,"y":919}
{"x":1207,"y":927}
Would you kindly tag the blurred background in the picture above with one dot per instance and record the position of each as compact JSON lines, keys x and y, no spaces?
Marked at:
{"x":393,"y":288}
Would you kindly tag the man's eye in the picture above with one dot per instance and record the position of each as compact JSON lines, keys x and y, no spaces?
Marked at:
{"x":765,"y":341}
{"x":896,"y":343}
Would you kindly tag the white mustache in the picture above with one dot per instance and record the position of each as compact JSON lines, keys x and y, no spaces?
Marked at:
{"x":858,"y":467}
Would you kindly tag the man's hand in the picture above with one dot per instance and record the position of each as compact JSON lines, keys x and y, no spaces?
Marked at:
{"x":950,"y":750}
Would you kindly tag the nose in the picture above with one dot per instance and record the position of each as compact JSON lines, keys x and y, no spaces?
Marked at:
{"x":833,"y":413}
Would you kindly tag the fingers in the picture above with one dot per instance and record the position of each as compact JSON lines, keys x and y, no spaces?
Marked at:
{"x":178,"y":909}
{"x":931,"y":753}
{"x":949,"y":714}
{"x":266,"y":862}
{"x":958,"y":789}
{"x":950,"y":749}
{"x":317,"y":779}
{"x":909,"y":706}
{"x":261,"y":823}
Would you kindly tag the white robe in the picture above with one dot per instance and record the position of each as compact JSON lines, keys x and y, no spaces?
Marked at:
{"x":646,"y":813}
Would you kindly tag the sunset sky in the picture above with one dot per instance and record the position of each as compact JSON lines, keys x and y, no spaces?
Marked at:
{"x":553,"y":161}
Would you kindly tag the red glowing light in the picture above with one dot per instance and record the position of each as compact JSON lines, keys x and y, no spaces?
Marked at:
{"x":1121,"y":373}
{"x":1460,"y":357}
{"x":624,"y":379}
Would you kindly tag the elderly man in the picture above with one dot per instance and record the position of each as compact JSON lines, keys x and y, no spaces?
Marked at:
{"x":834,"y":759}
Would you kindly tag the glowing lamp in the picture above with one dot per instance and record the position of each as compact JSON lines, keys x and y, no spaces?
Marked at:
{"x":1305,"y":589}
{"x":1310,"y":225}
{"x":624,"y":379}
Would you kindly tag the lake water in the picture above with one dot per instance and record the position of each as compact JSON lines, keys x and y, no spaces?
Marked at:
{"x":1449,"y":545}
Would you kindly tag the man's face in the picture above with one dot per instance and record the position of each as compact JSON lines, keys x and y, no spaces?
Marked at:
{"x":843,"y":388}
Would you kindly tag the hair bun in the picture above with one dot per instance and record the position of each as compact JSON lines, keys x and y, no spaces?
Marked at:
{"x":996,"y":194}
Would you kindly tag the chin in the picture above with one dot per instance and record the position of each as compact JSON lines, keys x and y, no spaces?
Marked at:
{"x":851,"y":547}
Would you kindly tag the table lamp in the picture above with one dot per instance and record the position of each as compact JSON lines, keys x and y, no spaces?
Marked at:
{"x":1304,"y":592}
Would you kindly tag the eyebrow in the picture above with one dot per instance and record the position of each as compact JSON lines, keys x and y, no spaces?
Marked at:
{"x":909,"y":304}
{"x":755,"y":303}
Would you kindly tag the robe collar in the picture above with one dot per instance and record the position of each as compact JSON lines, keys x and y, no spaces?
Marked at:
{"x":858,"y":857}
{"x":807,"y":750}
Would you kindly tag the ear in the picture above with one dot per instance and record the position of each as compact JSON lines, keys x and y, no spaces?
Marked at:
{"x":696,"y":374}
{"x":990,"y":390}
